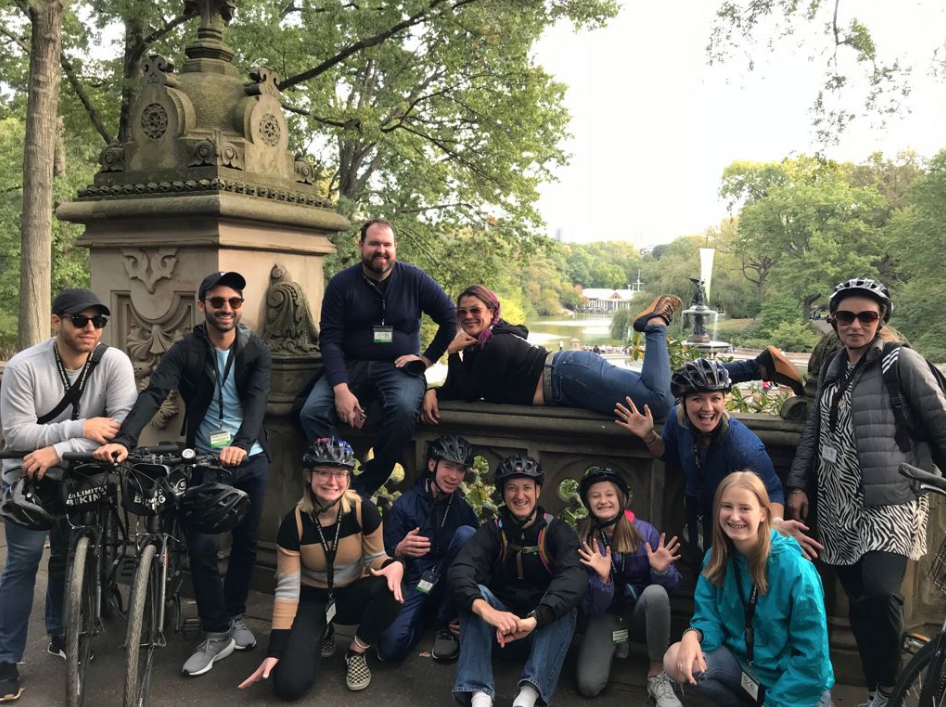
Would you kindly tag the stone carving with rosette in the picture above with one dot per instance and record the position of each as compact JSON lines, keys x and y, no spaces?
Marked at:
{"x":289,"y":328}
{"x":112,"y":158}
{"x":216,"y":151}
{"x":159,"y":71}
{"x":149,"y":266}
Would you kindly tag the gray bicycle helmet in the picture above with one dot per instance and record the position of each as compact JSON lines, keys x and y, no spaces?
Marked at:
{"x":862,"y":287}
{"x":451,"y":448}
{"x":597,"y":474}
{"x":32,"y":504}
{"x":518,"y":466}
{"x":329,"y":451}
{"x":214,"y":507}
{"x":700,"y":376}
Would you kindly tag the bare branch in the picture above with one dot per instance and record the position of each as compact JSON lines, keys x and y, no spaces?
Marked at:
{"x":135,"y":54}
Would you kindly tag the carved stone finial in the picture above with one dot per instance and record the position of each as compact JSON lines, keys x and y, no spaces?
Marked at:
{"x":112,"y":158}
{"x":265,"y":82}
{"x":289,"y":327}
{"x":216,"y":151}
{"x":214,"y":17}
{"x":214,"y":14}
{"x":158,"y":70}
{"x":305,"y":170}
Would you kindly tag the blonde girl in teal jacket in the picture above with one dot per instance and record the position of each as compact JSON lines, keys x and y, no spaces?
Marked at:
{"x":759,"y":632}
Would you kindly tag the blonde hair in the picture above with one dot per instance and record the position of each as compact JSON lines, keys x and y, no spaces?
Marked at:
{"x":625,"y":539}
{"x":715,"y":570}
{"x":308,"y":504}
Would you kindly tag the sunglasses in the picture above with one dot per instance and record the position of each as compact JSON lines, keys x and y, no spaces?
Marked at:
{"x":475,"y":311}
{"x":80,"y":321}
{"x":326,"y":474}
{"x":847,"y":318}
{"x":218,"y":302}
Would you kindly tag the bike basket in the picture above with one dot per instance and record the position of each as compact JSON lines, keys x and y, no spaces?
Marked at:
{"x":937,"y":571}
{"x":84,"y":487}
{"x":144,"y":489}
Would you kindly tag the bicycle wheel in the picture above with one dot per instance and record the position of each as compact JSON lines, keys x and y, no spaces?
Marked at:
{"x":142,"y":637}
{"x":80,"y":619}
{"x":909,"y":687}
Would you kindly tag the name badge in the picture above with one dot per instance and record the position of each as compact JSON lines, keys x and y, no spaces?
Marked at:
{"x":750,"y":685}
{"x":330,"y":611}
{"x":383,"y":334}
{"x":427,"y":582}
{"x":619,"y":637}
{"x":220,"y":439}
{"x":829,"y":454}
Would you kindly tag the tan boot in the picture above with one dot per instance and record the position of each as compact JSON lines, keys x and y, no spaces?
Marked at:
{"x":664,"y":306}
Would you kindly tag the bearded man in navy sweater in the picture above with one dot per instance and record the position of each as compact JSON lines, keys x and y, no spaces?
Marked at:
{"x":370,"y":341}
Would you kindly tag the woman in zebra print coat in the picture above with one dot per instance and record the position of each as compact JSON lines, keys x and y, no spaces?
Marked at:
{"x":871,"y":520}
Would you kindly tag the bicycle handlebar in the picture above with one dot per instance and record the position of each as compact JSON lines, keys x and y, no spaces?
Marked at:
{"x":12,"y":454}
{"x":926,"y":480}
{"x":81,"y":457}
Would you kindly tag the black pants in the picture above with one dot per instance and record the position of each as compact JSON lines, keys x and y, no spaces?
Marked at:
{"x":872,"y":585}
{"x":367,"y":602}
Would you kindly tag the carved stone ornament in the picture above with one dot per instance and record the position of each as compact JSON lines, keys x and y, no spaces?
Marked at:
{"x":154,"y":120}
{"x":216,"y":151}
{"x":234,"y":186}
{"x":289,"y":327}
{"x":112,"y":158}
{"x":265,"y":82}
{"x":305,"y":170}
{"x":157,"y":70}
{"x":149,"y":266}
{"x":269,"y":129}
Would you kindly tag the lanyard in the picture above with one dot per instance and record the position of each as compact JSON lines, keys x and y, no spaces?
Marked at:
{"x":382,"y":295}
{"x":438,"y":529}
{"x":330,"y":555}
{"x":79,"y":382}
{"x":222,"y":379}
{"x":617,"y":574}
{"x":749,"y":608}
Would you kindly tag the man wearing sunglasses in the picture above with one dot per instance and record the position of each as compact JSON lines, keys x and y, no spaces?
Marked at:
{"x":66,"y":394}
{"x":370,"y":341}
{"x":222,"y":371}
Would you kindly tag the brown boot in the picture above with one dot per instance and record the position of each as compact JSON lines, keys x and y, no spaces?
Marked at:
{"x":664,"y":306}
{"x":775,"y":366}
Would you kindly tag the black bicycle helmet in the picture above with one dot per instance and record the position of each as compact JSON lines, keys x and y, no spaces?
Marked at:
{"x":329,"y":451}
{"x":862,"y":287}
{"x":700,"y":376}
{"x":214,"y":507}
{"x":596,"y":474}
{"x":32,"y":504}
{"x":144,"y":489}
{"x":518,"y":466}
{"x":452,"y":448}
{"x":84,"y":486}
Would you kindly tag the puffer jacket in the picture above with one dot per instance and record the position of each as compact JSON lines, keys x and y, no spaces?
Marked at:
{"x":874,"y":429}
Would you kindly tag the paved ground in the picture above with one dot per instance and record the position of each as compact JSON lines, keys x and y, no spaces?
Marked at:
{"x":418,"y":682}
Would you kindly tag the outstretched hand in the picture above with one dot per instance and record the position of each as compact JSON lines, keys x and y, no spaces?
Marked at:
{"x":393,"y":573}
{"x":664,"y":554}
{"x":590,"y":557}
{"x":640,"y":424}
{"x":261,"y":673}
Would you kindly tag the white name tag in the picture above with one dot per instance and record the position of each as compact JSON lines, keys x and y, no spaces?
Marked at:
{"x":618,"y":637}
{"x":330,"y":611}
{"x":829,"y":454}
{"x":750,"y":685}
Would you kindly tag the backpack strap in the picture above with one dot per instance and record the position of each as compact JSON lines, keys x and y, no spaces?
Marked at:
{"x":74,"y":393}
{"x":890,"y":367}
{"x":520,"y":550}
{"x":299,"y":523}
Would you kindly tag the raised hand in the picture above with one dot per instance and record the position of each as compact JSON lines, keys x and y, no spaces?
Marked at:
{"x":601,"y":564}
{"x":664,"y":554}
{"x":631,"y":419}
{"x":413,"y":545}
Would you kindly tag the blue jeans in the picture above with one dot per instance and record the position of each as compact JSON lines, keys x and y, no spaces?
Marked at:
{"x":586,"y":380}
{"x":220,"y":600}
{"x":545,"y":649}
{"x":402,"y":635}
{"x":721,"y":684}
{"x":401,"y":395}
{"x":24,"y":552}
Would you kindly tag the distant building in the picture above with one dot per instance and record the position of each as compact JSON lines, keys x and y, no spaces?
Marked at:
{"x":560,"y":234}
{"x":602,"y":299}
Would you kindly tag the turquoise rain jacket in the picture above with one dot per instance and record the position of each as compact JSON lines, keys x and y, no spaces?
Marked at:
{"x":791,"y":657}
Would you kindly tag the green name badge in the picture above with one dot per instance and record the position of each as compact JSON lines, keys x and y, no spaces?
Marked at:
{"x":220,"y":439}
{"x":383,"y":334}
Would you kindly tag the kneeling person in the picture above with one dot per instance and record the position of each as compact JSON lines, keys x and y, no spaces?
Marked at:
{"x":517,"y":583}
{"x":426,"y":529}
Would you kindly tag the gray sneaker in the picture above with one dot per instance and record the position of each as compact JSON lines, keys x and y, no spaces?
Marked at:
{"x":660,"y":689}
{"x":242,"y":637}
{"x":216,"y":646}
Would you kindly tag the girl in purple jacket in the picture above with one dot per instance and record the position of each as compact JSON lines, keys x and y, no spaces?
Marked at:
{"x":630,"y":572}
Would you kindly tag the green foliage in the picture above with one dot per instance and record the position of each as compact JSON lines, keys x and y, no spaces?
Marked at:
{"x":757,"y":400}
{"x":778,"y":310}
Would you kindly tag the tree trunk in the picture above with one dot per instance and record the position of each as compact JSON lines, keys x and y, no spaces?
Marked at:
{"x":42,"y":112}
{"x":808,"y":301}
{"x":131,"y":71}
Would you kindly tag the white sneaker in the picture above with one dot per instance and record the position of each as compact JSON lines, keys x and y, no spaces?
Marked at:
{"x":660,"y":689}
{"x":216,"y":646}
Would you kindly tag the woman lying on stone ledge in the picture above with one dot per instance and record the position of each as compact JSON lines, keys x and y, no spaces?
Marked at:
{"x":500,"y":366}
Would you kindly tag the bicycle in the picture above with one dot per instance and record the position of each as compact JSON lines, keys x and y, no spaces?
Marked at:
{"x":923,"y":681}
{"x":155,"y":483}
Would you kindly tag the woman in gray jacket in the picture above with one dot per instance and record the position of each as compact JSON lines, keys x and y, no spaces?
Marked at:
{"x":872,"y":521}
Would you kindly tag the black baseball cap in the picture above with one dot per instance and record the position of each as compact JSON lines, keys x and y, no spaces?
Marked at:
{"x":230,"y":279}
{"x":73,"y":301}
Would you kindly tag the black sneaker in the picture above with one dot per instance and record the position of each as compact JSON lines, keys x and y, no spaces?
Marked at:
{"x":9,"y":682}
{"x":57,"y":647}
{"x":446,"y":646}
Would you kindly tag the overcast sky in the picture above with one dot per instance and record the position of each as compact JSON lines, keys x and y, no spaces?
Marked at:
{"x":654,"y":126}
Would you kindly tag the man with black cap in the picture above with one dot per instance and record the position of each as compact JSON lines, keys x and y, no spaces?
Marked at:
{"x":66,"y":394}
{"x":221,"y":370}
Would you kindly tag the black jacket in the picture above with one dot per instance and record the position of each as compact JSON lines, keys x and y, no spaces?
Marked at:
{"x":188,"y":366}
{"x":551,"y":596}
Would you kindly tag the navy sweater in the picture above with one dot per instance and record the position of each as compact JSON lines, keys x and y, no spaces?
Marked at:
{"x":352,"y":307}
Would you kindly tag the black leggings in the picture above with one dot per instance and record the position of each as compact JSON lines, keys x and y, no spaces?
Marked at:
{"x":367,"y":602}
{"x":872,"y":585}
